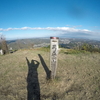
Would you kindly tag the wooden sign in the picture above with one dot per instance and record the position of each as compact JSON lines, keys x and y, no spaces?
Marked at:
{"x":53,"y":55}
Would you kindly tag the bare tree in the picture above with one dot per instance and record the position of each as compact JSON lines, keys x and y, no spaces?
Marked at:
{"x":0,"y":45}
{"x":3,"y":43}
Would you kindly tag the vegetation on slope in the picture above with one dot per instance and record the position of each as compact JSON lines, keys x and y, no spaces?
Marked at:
{"x":87,"y":47}
{"x":23,"y":73}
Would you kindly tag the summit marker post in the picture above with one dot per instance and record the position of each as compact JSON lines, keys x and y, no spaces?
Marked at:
{"x":53,"y":55}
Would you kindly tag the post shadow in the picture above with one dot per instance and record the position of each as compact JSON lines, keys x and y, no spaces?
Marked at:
{"x":48,"y":72}
{"x":33,"y":88}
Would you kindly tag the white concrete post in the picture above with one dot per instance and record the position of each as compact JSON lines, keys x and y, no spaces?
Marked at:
{"x":53,"y":55}
{"x":1,"y":52}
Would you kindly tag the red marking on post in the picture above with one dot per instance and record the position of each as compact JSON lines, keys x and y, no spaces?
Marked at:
{"x":54,"y":38}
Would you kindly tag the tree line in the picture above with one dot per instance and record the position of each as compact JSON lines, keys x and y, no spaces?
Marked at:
{"x":88,"y":47}
{"x":3,"y":44}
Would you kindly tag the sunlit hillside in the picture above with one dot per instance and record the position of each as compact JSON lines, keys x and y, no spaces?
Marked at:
{"x":24,"y":76}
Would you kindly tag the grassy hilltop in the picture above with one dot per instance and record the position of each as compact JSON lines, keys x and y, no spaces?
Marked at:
{"x":78,"y":76}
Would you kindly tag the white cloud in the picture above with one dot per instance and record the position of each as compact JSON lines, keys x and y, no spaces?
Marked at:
{"x":67,"y":25}
{"x":71,"y":31}
{"x":24,"y":28}
{"x":0,"y":33}
{"x":77,"y":26}
{"x":1,"y":29}
{"x":58,"y":29}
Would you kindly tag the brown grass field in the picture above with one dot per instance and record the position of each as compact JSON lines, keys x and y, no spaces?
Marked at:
{"x":23,"y":76}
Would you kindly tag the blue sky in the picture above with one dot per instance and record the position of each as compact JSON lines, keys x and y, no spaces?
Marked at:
{"x":45,"y":18}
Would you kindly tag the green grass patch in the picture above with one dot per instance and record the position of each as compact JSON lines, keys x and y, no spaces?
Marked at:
{"x":45,"y":49}
{"x":72,"y":51}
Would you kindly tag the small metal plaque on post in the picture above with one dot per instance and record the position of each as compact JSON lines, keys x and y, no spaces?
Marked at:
{"x":53,"y":55}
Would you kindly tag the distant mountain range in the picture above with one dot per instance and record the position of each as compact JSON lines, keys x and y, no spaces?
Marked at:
{"x":44,"y":42}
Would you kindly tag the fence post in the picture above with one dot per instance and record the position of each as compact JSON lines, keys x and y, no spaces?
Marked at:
{"x":53,"y":55}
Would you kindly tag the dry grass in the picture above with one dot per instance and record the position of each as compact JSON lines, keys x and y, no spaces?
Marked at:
{"x":78,"y":76}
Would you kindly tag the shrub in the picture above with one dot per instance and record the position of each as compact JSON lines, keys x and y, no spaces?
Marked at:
{"x":88,"y":47}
